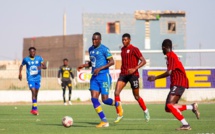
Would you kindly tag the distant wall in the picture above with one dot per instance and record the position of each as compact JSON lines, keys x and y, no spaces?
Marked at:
{"x":158,"y":95}
{"x":55,"y":48}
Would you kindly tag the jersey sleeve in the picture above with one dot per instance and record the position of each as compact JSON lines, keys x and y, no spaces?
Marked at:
{"x":59,"y":71}
{"x":137,"y":52}
{"x":24,"y":62}
{"x":107,"y":53}
{"x":41,"y":60}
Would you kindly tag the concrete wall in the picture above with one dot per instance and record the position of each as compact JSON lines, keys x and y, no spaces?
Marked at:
{"x":149,"y":95}
{"x":55,"y":48}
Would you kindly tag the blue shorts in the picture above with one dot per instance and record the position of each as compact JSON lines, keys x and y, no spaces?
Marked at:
{"x":101,"y":83}
{"x":34,"y":84}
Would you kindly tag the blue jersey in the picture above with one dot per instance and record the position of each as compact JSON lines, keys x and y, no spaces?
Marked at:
{"x":32,"y":64}
{"x":99,"y":57}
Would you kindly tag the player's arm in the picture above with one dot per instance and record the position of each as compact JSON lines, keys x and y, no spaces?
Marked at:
{"x":43,"y":65}
{"x":87,"y":64}
{"x":73,"y":78}
{"x":58,"y":77}
{"x":110,"y":63}
{"x":20,"y":72}
{"x":166,"y":74}
{"x":142,"y":63}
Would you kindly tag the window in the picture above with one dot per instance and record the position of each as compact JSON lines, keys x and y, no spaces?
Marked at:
{"x":113,"y":27}
{"x":171,"y":27}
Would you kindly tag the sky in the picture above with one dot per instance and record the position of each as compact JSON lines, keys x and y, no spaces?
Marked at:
{"x":21,"y":19}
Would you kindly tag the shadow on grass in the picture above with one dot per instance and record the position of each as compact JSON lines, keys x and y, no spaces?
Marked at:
{"x":74,"y":125}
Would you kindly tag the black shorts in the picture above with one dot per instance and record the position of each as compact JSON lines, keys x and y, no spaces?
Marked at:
{"x":65,"y":84}
{"x":175,"y":90}
{"x":133,"y":80}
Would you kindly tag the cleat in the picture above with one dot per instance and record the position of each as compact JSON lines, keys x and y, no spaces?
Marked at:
{"x":34,"y":112}
{"x":118,"y":119}
{"x":147,"y":116}
{"x":184,"y":127}
{"x":102,"y":124}
{"x":70,"y":103}
{"x":195,"y":110}
{"x":65,"y":104}
{"x":119,"y":107}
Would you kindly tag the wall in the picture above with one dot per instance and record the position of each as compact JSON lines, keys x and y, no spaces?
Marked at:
{"x":126,"y":95}
{"x":55,"y":48}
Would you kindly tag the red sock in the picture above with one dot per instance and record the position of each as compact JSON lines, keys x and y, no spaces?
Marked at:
{"x":176,"y":112}
{"x":181,"y":107}
{"x":141,"y":103}
{"x":117,"y":99}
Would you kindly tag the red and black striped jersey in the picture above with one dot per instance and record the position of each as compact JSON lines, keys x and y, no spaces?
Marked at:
{"x":130,"y":59}
{"x":178,"y":76}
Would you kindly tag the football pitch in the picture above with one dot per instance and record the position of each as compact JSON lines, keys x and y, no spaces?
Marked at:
{"x":16,"y":119}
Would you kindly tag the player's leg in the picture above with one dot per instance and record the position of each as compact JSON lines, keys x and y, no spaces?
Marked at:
{"x":171,"y":101}
{"x":63,"y":86}
{"x":119,"y":86}
{"x":135,"y":90}
{"x":104,"y":81}
{"x":193,"y":107}
{"x":69,"y":84}
{"x":34,"y":87}
{"x":95,"y":92}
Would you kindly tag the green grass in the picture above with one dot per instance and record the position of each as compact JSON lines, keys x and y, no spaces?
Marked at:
{"x":20,"y":121}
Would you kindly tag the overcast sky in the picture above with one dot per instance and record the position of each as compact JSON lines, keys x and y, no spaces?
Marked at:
{"x":35,"y":18}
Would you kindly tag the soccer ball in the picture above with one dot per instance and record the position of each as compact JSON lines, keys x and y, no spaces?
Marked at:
{"x":67,"y":121}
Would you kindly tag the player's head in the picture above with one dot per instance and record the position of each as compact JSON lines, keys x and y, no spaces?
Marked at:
{"x":32,"y":52}
{"x":96,"y":39}
{"x":126,"y":39}
{"x":65,"y":61}
{"x":166,"y":46}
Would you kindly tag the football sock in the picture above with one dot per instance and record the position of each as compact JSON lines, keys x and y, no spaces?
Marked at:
{"x":184,"y":122}
{"x":110,"y":102}
{"x":190,"y":107}
{"x":181,"y":107}
{"x":70,"y":93}
{"x":141,"y":103}
{"x":176,"y":112}
{"x":98,"y":109}
{"x":34,"y":104}
{"x":117,"y":100}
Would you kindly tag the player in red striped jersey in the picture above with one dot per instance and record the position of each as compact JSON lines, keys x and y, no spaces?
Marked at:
{"x":131,"y":56}
{"x":179,"y":82}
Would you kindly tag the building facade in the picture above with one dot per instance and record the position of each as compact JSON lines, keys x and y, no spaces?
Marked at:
{"x":147,"y":29}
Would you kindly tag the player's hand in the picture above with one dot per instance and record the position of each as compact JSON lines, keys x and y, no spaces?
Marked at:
{"x":74,"y":82}
{"x":20,"y":77}
{"x":151,"y":78}
{"x":79,"y":68}
{"x":131,"y":70}
{"x":59,"y":81}
{"x":96,"y":71}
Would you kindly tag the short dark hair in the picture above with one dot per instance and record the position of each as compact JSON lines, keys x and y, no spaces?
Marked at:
{"x":126,"y":35}
{"x":65,"y":59}
{"x":167,"y":43}
{"x":32,"y":48}
{"x":97,"y":33}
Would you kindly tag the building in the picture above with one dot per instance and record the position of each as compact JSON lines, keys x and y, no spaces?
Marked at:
{"x":54,"y":49}
{"x":147,"y":29}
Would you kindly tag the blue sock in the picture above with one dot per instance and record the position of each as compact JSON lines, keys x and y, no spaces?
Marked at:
{"x":34,"y":104}
{"x":109,"y":101}
{"x":98,"y":109}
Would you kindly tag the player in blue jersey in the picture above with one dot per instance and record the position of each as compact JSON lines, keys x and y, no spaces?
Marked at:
{"x":34,"y":64}
{"x":100,"y":61}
